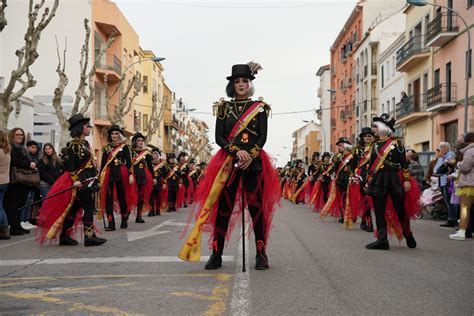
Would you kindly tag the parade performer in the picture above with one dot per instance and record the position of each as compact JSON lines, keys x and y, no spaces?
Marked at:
{"x":185,"y":180}
{"x":319,"y":193}
{"x":171,"y":181}
{"x":299,"y":183}
{"x":314,"y":171}
{"x":194,"y":176}
{"x":61,"y":212}
{"x":241,"y":132}
{"x":341,"y":171}
{"x":286,"y":179}
{"x":156,"y":197}
{"x":359,"y":203}
{"x":394,"y":192}
{"x":143,"y":170}
{"x":116,"y":179}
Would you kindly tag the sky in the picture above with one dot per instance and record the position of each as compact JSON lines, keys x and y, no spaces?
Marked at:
{"x":201,"y":40}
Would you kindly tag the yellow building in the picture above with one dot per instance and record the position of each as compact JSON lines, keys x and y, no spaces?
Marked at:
{"x":170,"y":126}
{"x":415,"y":59}
{"x":152,"y":88}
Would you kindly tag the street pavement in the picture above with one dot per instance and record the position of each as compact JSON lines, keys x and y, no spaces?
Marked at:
{"x":317,"y":268}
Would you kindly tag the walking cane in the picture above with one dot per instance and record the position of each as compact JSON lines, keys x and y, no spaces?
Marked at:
{"x":58,"y":193}
{"x":243,"y":223}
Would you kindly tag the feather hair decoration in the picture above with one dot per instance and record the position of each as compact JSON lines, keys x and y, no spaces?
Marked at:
{"x":254,"y":67}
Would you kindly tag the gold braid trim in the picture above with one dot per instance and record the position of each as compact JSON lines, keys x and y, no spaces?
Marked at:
{"x":231,"y":148}
{"x":255,"y":151}
{"x":406,"y":174}
{"x":89,"y":231}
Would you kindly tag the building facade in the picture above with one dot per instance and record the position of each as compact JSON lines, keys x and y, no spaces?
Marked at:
{"x":324,"y":111}
{"x":306,"y":142}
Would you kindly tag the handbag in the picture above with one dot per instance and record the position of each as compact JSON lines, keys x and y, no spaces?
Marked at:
{"x":24,"y":176}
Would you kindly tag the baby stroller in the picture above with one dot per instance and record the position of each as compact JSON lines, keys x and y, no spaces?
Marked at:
{"x":432,"y":202}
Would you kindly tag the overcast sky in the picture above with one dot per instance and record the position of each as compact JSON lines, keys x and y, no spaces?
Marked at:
{"x":201,"y":40}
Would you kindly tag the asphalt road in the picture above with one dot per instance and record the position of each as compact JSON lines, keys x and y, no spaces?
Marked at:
{"x":317,"y":268}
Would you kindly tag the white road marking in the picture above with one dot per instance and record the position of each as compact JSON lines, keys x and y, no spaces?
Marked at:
{"x":240,"y":301}
{"x":150,"y":259}
{"x":16,"y":242}
{"x":132,"y":236}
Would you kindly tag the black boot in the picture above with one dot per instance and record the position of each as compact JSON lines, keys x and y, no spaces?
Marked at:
{"x":214,"y":262}
{"x":110,"y":227}
{"x":261,"y":259}
{"x":411,"y":242}
{"x":170,"y":208}
{"x":124,"y":223}
{"x":139,"y":219}
{"x":151,"y":213}
{"x":363,"y":225}
{"x":370,"y":225}
{"x":381,"y":243}
{"x":67,"y":241}
{"x":90,"y":238}
{"x":449,"y":224}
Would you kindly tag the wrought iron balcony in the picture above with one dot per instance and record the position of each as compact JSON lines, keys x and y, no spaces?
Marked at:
{"x":441,"y":97}
{"x":111,"y":63}
{"x":411,"y":109}
{"x":411,"y":53}
{"x":441,"y":30}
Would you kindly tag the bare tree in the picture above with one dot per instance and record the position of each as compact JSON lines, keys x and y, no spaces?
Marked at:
{"x":27,"y":55}
{"x":86,"y":80}
{"x":125,"y":102}
{"x":156,"y":115}
{"x":3,"y":19}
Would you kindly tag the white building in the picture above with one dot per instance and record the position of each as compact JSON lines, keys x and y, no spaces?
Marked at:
{"x":324,"y":111}
{"x":391,"y":83}
{"x":386,"y":26}
{"x":22,"y":116}
{"x":67,"y":25}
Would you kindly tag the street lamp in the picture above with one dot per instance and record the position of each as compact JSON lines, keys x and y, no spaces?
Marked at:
{"x":421,"y":3}
{"x":154,"y":59}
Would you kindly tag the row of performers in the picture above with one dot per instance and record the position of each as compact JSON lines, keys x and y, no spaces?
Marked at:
{"x":372,"y":176}
{"x":132,"y":179}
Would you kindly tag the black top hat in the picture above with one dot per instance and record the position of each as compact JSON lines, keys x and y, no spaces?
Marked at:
{"x":343,"y":140}
{"x":192,"y":161}
{"x":170,"y":156}
{"x":241,"y":71}
{"x":115,"y":128}
{"x":77,"y":119}
{"x":326,"y":154}
{"x":138,"y":135}
{"x":297,"y":161}
{"x":365,"y":131}
{"x":387,"y":120}
{"x":316,"y":154}
{"x":155,"y":148}
{"x":182,"y":154}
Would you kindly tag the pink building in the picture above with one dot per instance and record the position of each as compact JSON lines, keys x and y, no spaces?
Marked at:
{"x":447,"y":35}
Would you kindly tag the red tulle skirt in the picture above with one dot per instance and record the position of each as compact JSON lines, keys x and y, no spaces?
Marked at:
{"x":129,"y":189}
{"x":268,"y":179}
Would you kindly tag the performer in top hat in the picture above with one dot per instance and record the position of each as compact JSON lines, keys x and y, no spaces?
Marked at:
{"x":171,"y":181}
{"x":298,"y":183}
{"x":241,"y":132}
{"x":359,"y":201}
{"x":156,"y":198}
{"x":184,"y":179}
{"x":389,"y":180}
{"x":194,"y":176}
{"x":116,"y":178}
{"x":319,"y":192}
{"x":315,"y":168}
{"x":58,"y":213}
{"x":143,"y":170}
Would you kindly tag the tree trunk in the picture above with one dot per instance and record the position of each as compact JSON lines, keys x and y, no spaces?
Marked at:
{"x":64,"y":136}
{"x":4,"y":115}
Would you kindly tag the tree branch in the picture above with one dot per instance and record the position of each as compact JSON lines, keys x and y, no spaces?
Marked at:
{"x":3,"y":19}
{"x":59,"y":91}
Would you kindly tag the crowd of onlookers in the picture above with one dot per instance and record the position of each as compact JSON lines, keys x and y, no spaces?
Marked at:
{"x":41,"y":167}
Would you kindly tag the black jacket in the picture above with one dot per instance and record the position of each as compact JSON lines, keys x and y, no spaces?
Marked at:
{"x":50,"y":172}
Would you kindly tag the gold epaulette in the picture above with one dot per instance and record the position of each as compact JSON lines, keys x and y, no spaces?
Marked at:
{"x":266,"y":106}
{"x":218,"y":108}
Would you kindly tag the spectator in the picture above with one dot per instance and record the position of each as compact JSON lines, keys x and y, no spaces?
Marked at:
{"x":4,"y":180}
{"x":415,"y":168}
{"x":28,"y":214}
{"x":465,"y":185}
{"x":17,"y":194}
{"x":433,"y":162}
{"x":33,"y":150}
{"x":50,"y":168}
{"x":445,"y":154}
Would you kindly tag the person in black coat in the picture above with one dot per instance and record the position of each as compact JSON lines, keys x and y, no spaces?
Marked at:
{"x":50,"y":168}
{"x":171,"y":180}
{"x":16,"y":194}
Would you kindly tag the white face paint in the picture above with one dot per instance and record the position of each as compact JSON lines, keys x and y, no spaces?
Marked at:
{"x":242,"y":87}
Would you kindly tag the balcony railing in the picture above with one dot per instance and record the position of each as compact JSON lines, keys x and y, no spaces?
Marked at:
{"x":444,"y":22}
{"x":373,"y":69}
{"x":100,"y":111}
{"x":409,"y":105}
{"x":413,"y":47}
{"x":110,"y":62}
{"x":442,"y":93}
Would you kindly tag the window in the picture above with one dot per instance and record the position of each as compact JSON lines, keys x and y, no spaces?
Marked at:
{"x":470,"y":3}
{"x":436,"y":77}
{"x":382,"y":76}
{"x":469,"y":58}
{"x":145,"y":84}
{"x":145,"y":122}
{"x":393,"y":66}
{"x":392,"y":108}
{"x":383,"y":107}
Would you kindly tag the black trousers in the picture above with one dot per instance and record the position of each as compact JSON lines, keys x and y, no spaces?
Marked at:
{"x":253,"y":192}
{"x":15,"y":198}
{"x":109,"y":203}
{"x":380,"y":204}
{"x":155,"y":199}
{"x":85,"y":201}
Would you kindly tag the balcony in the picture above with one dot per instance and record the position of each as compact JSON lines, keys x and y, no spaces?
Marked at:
{"x":441,"y":30}
{"x":333,"y":123}
{"x":411,"y":109}
{"x":111,"y":66}
{"x":441,"y":97}
{"x":342,"y":115}
{"x":411,"y":53}
{"x":373,"y":69}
